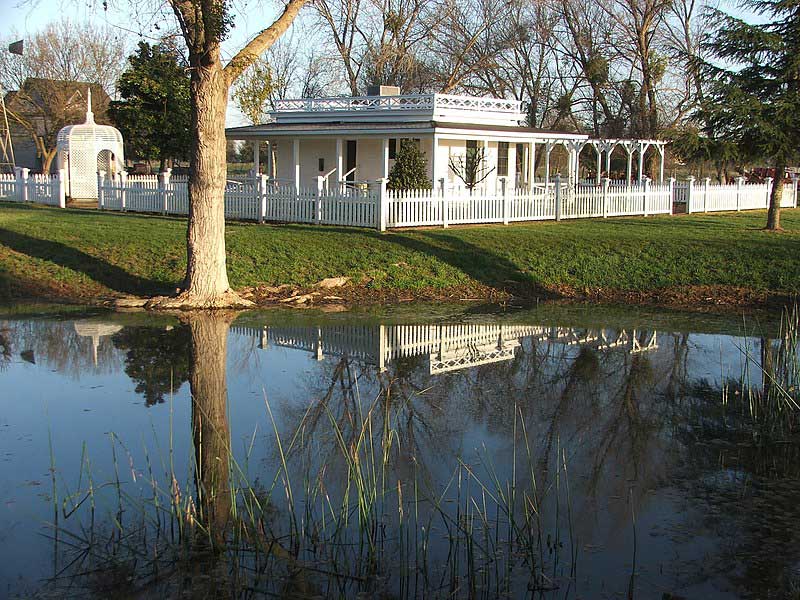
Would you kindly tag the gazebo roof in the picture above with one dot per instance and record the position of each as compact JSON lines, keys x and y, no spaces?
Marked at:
{"x":88,"y":130}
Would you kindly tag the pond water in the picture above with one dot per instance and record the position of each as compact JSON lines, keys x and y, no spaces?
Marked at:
{"x":558,"y":452}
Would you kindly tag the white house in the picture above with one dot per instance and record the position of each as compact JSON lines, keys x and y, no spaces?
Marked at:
{"x":355,"y":139}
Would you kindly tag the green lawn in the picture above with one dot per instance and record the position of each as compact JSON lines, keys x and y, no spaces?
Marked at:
{"x":77,"y":254}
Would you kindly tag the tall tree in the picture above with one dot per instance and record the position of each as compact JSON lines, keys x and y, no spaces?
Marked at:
{"x":154,"y":112}
{"x":204,"y":24}
{"x":754,"y":92}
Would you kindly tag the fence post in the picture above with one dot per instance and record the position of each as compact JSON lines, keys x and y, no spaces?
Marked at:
{"x":101,"y":182}
{"x":794,"y":190}
{"x":123,"y":194}
{"x":504,"y":187}
{"x":163,"y":188}
{"x":445,"y":204}
{"x":769,"y":191}
{"x":739,"y":184}
{"x":706,"y":185}
{"x":645,"y":193}
{"x":262,"y":195}
{"x":383,"y":205}
{"x":558,"y":196}
{"x":689,"y":193}
{"x":22,"y":184}
{"x":318,"y":201}
{"x":62,"y":188}
{"x":606,"y":184}
{"x":671,"y":195}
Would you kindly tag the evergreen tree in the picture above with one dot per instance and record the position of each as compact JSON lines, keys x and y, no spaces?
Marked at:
{"x":154,"y":114}
{"x":410,"y":171}
{"x":754,"y":100}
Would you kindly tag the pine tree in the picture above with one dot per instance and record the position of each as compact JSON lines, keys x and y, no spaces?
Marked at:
{"x":754,"y":99}
{"x":410,"y":170}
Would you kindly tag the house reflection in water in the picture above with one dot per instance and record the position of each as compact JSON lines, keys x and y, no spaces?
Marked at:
{"x":448,"y":347}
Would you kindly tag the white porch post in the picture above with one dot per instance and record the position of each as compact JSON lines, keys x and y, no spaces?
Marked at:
{"x":385,"y":154}
{"x":339,"y":161}
{"x":526,"y":154}
{"x":548,"y":150}
{"x":532,"y":165}
{"x":256,"y":158}
{"x":485,"y":165}
{"x":599,"y":154}
{"x":629,"y":174}
{"x":433,"y":161}
{"x":609,"y":150}
{"x":661,"y":164}
{"x":512,"y":166}
{"x":642,"y":150}
{"x":296,"y":158}
{"x":270,"y":160}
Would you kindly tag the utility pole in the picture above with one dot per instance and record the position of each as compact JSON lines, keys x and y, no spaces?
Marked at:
{"x":7,"y":161}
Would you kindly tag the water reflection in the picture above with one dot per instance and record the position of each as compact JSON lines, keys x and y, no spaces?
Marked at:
{"x":479,"y":456}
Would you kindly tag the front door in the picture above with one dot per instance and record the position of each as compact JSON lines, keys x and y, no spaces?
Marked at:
{"x":350,"y":160}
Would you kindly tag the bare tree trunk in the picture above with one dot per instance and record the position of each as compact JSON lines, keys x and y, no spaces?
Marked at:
{"x":206,"y":275}
{"x":774,"y":212}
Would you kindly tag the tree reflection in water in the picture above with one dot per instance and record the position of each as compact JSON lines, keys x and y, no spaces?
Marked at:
{"x":486,"y":481}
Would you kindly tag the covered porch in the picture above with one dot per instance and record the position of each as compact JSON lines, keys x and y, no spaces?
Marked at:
{"x":342,"y":156}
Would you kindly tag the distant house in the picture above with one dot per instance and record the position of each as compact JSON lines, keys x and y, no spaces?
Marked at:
{"x":352,"y":139}
{"x":40,"y":109}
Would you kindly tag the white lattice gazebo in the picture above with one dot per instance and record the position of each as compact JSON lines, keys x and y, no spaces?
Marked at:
{"x":85,"y":149}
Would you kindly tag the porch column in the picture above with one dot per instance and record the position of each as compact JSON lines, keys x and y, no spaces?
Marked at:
{"x":270,"y":160}
{"x":531,"y":164}
{"x":339,"y":161}
{"x":485,"y":165}
{"x":256,"y":158}
{"x":661,"y":164}
{"x":609,"y":151}
{"x":642,"y":150}
{"x":433,"y":160}
{"x":512,"y":165}
{"x":548,"y":149}
{"x":630,"y":163}
{"x":296,"y":158}
{"x":599,"y":153}
{"x":385,"y":151}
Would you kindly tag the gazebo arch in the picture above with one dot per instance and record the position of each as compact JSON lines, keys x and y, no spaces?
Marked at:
{"x":85,"y":149}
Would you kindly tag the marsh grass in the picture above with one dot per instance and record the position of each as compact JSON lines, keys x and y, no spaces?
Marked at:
{"x":351,"y":516}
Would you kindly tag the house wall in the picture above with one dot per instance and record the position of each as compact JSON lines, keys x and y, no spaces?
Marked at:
{"x":369,"y":158}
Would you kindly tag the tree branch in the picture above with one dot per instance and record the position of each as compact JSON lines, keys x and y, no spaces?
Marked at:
{"x":261,"y":43}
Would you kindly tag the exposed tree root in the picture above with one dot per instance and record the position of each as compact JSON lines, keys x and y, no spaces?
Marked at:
{"x":188,"y":301}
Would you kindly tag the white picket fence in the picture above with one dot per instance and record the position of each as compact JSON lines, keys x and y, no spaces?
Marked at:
{"x":24,"y":186}
{"x":374,"y":206}
{"x":705,"y":196}
{"x":253,"y":200}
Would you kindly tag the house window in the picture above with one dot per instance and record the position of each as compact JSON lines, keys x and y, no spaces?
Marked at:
{"x":502,"y":159}
{"x":321,"y":165}
{"x":392,"y":148}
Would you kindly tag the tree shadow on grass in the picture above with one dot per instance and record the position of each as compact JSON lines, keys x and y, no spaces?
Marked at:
{"x":481,"y":265}
{"x":99,"y":270}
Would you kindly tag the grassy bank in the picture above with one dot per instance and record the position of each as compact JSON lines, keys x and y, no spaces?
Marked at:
{"x":86,"y":255}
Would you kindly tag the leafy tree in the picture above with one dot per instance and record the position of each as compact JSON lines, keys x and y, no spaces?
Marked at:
{"x":754,"y":102}
{"x":253,"y":92}
{"x":154,"y":114}
{"x":410,"y":168}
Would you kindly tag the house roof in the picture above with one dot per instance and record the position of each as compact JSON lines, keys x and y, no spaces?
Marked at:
{"x":32,"y":97}
{"x":339,"y":128}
